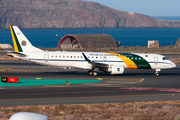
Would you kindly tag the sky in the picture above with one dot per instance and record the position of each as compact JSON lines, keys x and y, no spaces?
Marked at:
{"x":147,"y":7}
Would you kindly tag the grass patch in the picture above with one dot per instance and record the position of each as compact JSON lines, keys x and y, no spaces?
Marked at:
{"x":16,"y":110}
{"x":137,"y":105}
{"x":33,"y":109}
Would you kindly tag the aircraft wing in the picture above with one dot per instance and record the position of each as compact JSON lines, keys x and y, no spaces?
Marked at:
{"x":95,"y":64}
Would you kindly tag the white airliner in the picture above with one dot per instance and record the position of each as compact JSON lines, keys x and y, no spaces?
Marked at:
{"x":114,"y":63}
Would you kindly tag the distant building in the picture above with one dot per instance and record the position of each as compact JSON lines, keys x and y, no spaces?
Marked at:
{"x":5,"y":46}
{"x":118,"y":43}
{"x":153,"y":44}
{"x":177,"y":45}
{"x":83,"y":41}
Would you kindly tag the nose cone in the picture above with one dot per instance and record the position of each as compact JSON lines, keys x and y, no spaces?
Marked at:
{"x":174,"y":65}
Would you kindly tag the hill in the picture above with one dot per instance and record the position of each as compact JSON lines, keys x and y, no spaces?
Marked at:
{"x":72,"y":14}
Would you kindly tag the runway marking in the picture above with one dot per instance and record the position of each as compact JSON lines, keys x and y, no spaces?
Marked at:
{"x":154,"y":89}
{"x":54,"y":86}
{"x":125,"y":79}
{"x":139,"y":80}
{"x":43,"y":82}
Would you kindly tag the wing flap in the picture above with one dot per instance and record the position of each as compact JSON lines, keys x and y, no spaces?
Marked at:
{"x":95,"y":64}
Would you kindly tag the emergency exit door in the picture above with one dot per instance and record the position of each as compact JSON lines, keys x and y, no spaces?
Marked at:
{"x":156,"y":60}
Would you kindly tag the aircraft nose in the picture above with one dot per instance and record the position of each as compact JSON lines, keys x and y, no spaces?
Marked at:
{"x":174,"y":65}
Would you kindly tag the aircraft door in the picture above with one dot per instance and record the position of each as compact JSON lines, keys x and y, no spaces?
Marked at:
{"x":46,"y":58}
{"x":156,"y":60}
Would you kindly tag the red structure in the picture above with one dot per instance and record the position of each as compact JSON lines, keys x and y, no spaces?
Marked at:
{"x":9,"y":79}
{"x":69,"y":41}
{"x":12,"y":80}
{"x":80,"y":41}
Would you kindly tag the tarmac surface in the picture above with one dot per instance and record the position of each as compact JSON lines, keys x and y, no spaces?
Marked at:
{"x":132,"y":86}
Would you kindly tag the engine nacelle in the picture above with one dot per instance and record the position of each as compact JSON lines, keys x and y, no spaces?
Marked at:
{"x":116,"y":70}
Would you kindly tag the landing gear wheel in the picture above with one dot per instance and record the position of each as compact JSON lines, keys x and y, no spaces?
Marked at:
{"x":157,"y":74}
{"x":95,"y":73}
{"x":90,"y":72}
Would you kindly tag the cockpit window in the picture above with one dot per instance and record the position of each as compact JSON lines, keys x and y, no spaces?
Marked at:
{"x":165,"y":58}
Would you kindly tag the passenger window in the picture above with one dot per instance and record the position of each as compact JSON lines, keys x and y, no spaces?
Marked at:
{"x":59,"y":56}
{"x":67,"y":56}
{"x":71,"y":56}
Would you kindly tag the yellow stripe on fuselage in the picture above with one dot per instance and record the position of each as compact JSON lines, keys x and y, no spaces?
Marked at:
{"x":14,"y":40}
{"x":129,"y":63}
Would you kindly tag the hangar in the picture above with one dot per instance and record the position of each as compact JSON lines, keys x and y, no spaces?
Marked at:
{"x":177,"y":45}
{"x":81,"y":41}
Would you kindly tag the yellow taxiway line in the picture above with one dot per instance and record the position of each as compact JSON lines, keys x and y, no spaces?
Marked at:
{"x":130,"y":80}
{"x":54,"y":86}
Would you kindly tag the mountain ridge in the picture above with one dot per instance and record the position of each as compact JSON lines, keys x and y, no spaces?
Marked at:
{"x":72,"y":14}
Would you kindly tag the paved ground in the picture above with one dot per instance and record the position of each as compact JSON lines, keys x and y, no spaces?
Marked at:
{"x":113,"y":88}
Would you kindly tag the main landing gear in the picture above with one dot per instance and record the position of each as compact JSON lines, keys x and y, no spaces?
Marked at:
{"x":92,"y":72}
{"x":157,"y":72}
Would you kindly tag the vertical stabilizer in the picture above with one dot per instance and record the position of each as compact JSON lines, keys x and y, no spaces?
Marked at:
{"x":21,"y":43}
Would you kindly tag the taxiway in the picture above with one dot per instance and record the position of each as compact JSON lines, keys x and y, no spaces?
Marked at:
{"x":110,"y":90}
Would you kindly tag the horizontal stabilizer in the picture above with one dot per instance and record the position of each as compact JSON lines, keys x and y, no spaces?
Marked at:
{"x":10,"y":53}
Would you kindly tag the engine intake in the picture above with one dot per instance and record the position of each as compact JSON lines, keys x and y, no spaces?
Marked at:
{"x":116,"y":70}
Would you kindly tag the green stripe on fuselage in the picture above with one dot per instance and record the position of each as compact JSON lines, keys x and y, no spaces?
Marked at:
{"x":17,"y":42}
{"x":140,"y":62}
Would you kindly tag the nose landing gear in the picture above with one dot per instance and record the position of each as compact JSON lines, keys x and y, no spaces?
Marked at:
{"x":157,"y":72}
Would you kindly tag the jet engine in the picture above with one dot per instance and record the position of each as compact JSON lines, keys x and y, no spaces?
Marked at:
{"x":116,"y":69}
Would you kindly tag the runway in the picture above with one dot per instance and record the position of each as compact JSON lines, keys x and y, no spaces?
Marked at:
{"x":109,"y":90}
